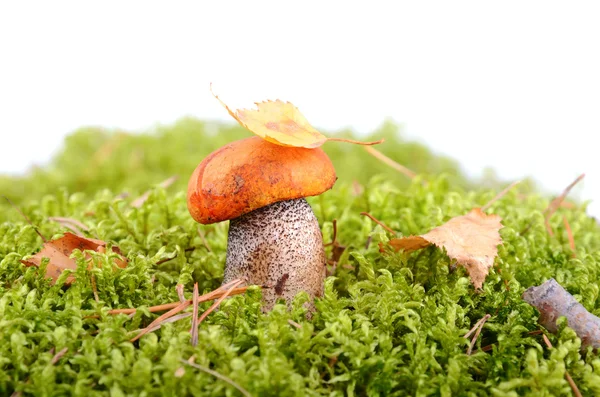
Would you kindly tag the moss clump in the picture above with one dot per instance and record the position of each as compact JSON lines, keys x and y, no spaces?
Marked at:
{"x":389,"y":324}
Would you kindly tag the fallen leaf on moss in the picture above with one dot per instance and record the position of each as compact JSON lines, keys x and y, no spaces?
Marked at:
{"x":282,"y":123}
{"x":471,"y":239}
{"x":58,"y":252}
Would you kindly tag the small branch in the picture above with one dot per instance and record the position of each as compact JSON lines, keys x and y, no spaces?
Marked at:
{"x":385,"y":159}
{"x":377,"y":221}
{"x":499,"y":196}
{"x":219,"y":376}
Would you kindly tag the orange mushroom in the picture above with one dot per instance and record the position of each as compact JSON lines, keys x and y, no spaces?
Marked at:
{"x":274,"y":237}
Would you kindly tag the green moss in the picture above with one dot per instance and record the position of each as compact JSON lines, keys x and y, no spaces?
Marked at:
{"x":389,"y":324}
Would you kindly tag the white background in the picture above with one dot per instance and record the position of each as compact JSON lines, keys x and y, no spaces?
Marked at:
{"x":514,"y":85}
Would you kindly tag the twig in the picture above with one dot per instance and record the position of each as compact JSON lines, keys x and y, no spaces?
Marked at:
{"x":570,"y":235}
{"x":499,"y":196}
{"x":219,"y":376}
{"x":570,"y":380}
{"x":482,"y":323}
{"x":377,"y":221}
{"x":194,"y":330}
{"x":27,"y":219}
{"x":218,"y":302}
{"x":385,"y":159}
{"x":59,"y":355}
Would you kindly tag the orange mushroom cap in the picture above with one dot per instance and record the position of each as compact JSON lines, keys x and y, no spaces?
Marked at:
{"x":252,"y":173}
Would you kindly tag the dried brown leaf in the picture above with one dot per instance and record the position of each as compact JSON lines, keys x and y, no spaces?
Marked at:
{"x":471,"y":239}
{"x":58,"y":252}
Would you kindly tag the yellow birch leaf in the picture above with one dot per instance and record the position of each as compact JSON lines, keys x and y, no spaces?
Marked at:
{"x":282,"y":123}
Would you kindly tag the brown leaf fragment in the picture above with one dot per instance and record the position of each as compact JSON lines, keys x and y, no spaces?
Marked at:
{"x":58,"y":252}
{"x":471,"y":239}
{"x":553,"y":301}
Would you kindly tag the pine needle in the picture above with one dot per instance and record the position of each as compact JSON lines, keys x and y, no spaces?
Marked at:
{"x":385,"y":159}
{"x":499,"y":195}
{"x":219,"y":376}
{"x":218,"y":302}
{"x":570,"y":380}
{"x":377,"y":221}
{"x":194,"y":330}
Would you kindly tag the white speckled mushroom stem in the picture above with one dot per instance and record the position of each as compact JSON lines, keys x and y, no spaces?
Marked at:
{"x":279,"y":245}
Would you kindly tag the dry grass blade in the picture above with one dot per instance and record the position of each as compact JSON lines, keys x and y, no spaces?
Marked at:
{"x":570,"y":380}
{"x":499,"y":195}
{"x":479,"y":328}
{"x":194,"y":330}
{"x":219,"y":376}
{"x":377,"y":221}
{"x":218,"y":302}
{"x":385,"y":159}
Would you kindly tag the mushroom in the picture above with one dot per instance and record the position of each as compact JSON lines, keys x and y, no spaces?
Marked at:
{"x":274,"y":237}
